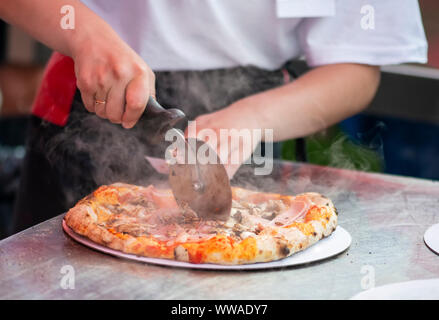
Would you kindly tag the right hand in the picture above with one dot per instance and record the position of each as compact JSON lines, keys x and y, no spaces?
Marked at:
{"x":107,"y":69}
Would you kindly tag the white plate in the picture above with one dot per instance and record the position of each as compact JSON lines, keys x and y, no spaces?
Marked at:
{"x":336,"y":243}
{"x":410,"y":290}
{"x":431,"y":238}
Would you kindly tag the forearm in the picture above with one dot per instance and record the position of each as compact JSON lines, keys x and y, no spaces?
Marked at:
{"x":41,"y":19}
{"x":107,"y":69}
{"x":318,"y":99}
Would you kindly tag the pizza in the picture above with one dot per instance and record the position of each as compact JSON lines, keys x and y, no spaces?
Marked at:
{"x":146,"y":221}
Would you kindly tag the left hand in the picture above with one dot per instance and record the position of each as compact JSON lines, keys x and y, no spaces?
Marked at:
{"x":230,"y":132}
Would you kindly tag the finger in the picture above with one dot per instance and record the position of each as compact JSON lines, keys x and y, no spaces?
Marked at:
{"x":194,"y":127}
{"x":88,"y":101}
{"x":191,"y":129}
{"x":115,"y":103}
{"x":151,"y":84}
{"x":136,"y":96}
{"x":211,"y":138}
{"x":87,"y":87}
{"x":100,"y":102}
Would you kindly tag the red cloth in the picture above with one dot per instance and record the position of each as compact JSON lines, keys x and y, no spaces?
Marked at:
{"x":55,"y":95}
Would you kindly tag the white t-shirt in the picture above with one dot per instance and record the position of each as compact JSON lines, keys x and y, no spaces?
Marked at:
{"x":207,"y":34}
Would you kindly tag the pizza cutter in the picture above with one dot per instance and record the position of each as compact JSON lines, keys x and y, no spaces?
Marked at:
{"x":197,"y":177}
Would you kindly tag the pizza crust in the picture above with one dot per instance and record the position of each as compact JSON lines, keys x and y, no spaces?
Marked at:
{"x":245,"y":238}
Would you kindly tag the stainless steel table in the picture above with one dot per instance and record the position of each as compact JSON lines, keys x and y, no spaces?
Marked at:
{"x":386,"y":216}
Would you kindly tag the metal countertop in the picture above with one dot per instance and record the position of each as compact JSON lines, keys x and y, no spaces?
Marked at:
{"x":385,"y":215}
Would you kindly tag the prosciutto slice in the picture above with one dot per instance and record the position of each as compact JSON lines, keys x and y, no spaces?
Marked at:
{"x":296,"y":211}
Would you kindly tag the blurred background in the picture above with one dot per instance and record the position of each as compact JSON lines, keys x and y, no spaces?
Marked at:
{"x":397,"y":134}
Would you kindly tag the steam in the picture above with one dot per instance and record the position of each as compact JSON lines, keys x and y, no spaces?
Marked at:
{"x":327,"y":179}
{"x":91,"y":152}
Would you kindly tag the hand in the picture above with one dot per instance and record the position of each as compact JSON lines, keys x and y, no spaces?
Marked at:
{"x":230,"y":132}
{"x":115,"y":83}
{"x":106,"y":68}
